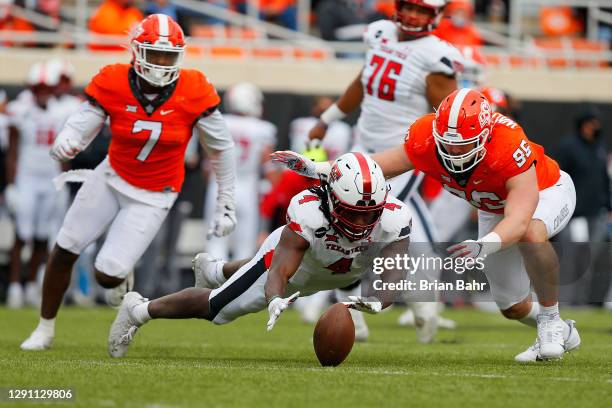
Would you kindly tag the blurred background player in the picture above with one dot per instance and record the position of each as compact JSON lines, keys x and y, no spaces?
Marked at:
{"x":338,"y":138}
{"x":407,"y":72}
{"x":154,"y":106}
{"x":254,"y":139}
{"x":64,"y":92}
{"x":457,"y":27}
{"x":30,"y":194}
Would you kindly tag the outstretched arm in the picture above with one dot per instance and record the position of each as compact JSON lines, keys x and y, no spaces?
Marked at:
{"x":521,"y":202}
{"x":393,"y":162}
{"x":348,"y":102}
{"x":287,"y":257}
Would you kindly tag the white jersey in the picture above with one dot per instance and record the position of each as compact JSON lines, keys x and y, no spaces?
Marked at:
{"x":337,"y":139}
{"x":37,"y":129}
{"x":65,"y":106}
{"x":332,"y":261}
{"x":394,"y":83}
{"x":251,"y":135}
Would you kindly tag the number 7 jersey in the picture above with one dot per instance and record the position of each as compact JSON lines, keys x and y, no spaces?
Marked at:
{"x":149,"y":136}
{"x":394,"y":82}
{"x":508,"y":153}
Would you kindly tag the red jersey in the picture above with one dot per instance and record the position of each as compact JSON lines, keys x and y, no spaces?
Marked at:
{"x":149,"y":138}
{"x":278,"y":199}
{"x":508,"y":153}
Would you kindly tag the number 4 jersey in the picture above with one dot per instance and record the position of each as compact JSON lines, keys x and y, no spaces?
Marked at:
{"x":508,"y":153}
{"x":394,"y":82}
{"x":332,"y":261}
{"x":150,"y":132}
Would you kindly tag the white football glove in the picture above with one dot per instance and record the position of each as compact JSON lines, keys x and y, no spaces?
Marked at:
{"x":11,"y":199}
{"x":224,"y":220}
{"x":466,"y":249}
{"x":278,"y":306}
{"x":296,"y":162}
{"x":469,"y":248}
{"x":364,"y":304}
{"x":64,"y":148}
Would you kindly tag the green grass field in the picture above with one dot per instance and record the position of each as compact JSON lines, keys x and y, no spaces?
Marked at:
{"x":193,"y":363}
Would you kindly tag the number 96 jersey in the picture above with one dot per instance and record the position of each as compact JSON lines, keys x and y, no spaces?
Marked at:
{"x":331,"y":261}
{"x":394,"y":82}
{"x":508,"y":153}
{"x":150,"y":132}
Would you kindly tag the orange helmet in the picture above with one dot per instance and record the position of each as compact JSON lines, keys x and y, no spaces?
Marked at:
{"x":496,"y":97}
{"x":461,"y":129}
{"x":158,"y":47}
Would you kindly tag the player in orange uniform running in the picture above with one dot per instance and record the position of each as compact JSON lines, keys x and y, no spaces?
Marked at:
{"x":153,"y":106}
{"x":522,"y":197}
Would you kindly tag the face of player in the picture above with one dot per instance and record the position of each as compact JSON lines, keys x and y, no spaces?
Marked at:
{"x":414,"y":17}
{"x":42,"y":94}
{"x":361,"y":218}
{"x":64,"y":87}
{"x":459,"y":150}
{"x":163,"y":58}
{"x":356,"y":224}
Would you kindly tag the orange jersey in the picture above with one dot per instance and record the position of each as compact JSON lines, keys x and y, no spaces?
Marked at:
{"x":149,"y":138}
{"x":508,"y":153}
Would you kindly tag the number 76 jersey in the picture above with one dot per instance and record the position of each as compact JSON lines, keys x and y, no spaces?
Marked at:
{"x":394,"y":82}
{"x":149,"y":133}
{"x":508,"y":153}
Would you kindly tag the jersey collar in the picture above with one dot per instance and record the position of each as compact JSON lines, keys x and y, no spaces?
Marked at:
{"x":150,"y":106}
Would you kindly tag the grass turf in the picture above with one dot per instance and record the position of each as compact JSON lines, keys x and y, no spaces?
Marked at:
{"x":193,"y":363}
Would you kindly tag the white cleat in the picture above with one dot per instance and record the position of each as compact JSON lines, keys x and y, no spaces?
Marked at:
{"x":124,"y":327}
{"x":14,"y":296}
{"x":425,"y":321}
{"x":115,"y":295}
{"x":204,"y":268}
{"x":550,"y":337}
{"x":32,"y":294}
{"x":37,"y":341}
{"x":571,"y":342}
{"x":361,"y":327}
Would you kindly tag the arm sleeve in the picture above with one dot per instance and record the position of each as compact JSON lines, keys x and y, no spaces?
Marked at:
{"x":84,"y":125}
{"x":219,"y":145}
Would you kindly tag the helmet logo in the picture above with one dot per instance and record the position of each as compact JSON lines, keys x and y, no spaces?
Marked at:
{"x":484,"y":117}
{"x":335,"y":174}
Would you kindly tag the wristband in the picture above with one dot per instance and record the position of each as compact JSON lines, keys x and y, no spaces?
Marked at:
{"x":331,"y":114}
{"x":491,"y":243}
{"x":272,"y":298}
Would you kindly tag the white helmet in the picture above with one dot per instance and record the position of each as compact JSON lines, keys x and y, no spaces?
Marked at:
{"x":65,"y":68}
{"x":244,"y":99}
{"x":357,"y":193}
{"x":43,"y":74}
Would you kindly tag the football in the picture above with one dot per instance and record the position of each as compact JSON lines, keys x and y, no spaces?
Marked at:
{"x":334,"y":335}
